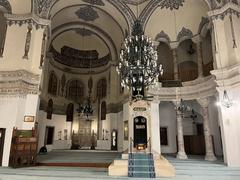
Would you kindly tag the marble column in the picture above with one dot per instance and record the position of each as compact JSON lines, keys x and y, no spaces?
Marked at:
{"x":180,"y":139}
{"x":199,"y":58}
{"x":175,"y":64}
{"x":210,"y":156}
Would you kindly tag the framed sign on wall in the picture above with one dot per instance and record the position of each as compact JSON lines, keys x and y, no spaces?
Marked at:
{"x":28,"y":118}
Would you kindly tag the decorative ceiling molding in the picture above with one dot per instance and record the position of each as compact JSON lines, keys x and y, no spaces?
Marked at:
{"x":171,"y":4}
{"x":83,"y":32}
{"x":120,"y":6}
{"x":162,"y":36}
{"x":41,"y":7}
{"x":6,"y":5}
{"x":95,"y":2}
{"x":184,"y":34}
{"x":87,"y":13}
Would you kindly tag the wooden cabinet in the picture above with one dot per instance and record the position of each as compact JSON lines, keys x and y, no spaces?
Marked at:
{"x":23,"y":148}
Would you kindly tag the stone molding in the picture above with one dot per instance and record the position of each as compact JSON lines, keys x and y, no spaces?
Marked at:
{"x":228,"y":9}
{"x":18,"y":83}
{"x":20,"y":19}
{"x":228,"y":77}
{"x":200,"y":88}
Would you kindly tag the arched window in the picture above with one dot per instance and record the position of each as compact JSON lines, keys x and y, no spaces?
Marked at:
{"x":52,"y":84}
{"x":103,"y":110}
{"x":75,"y":90}
{"x":50,"y":109}
{"x":165,"y":57}
{"x":187,"y":60}
{"x":3,"y":29}
{"x":69,"y":112}
{"x":102,"y":88}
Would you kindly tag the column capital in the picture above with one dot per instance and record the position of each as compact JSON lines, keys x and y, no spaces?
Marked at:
{"x":204,"y":102}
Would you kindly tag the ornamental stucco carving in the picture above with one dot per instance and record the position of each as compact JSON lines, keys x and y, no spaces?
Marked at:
{"x":184,"y":34}
{"x":171,"y":4}
{"x":18,"y":83}
{"x":162,"y":36}
{"x":6,"y":5}
{"x":87,"y":13}
{"x":41,"y":7}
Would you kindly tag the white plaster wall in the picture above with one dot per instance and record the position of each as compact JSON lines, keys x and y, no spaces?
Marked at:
{"x":21,"y":6}
{"x":12,"y":112}
{"x":14,"y":49}
{"x":168,"y":119}
{"x":230,"y":125}
{"x":59,"y":123}
{"x":188,"y":16}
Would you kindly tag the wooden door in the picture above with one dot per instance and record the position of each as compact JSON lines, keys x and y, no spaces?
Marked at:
{"x":140,"y":131}
{"x":2,"y":137}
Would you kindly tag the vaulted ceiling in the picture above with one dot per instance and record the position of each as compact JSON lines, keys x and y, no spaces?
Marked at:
{"x":102,"y":25}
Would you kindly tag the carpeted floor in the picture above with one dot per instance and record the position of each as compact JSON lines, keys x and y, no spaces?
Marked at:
{"x":193,"y":169}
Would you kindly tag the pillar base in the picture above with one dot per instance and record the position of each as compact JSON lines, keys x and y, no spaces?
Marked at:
{"x":210,"y":157}
{"x":181,"y":155}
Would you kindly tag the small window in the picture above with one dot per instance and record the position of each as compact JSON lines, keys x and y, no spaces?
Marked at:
{"x":164,"y":136}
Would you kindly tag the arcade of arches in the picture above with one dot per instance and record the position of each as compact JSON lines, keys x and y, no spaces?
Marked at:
{"x":55,"y":54}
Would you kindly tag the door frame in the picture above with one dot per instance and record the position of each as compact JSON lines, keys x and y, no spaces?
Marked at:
{"x":3,"y":133}
{"x":135,"y":129}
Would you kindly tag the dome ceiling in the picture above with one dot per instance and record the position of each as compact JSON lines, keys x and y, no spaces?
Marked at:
{"x":81,"y":39}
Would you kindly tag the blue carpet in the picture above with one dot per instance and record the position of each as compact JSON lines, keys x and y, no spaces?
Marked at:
{"x":141,"y":165}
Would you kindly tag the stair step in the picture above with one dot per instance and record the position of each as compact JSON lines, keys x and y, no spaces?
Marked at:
{"x":146,"y":169}
{"x":143,"y":174}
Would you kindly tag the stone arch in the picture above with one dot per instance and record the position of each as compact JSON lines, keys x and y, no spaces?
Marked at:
{"x":5,"y":6}
{"x":3,"y":30}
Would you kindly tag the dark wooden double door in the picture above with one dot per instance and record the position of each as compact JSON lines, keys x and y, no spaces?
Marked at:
{"x":2,"y":138}
{"x":140,"y":131}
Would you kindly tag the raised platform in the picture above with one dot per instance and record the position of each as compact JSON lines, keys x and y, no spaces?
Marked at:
{"x":78,"y":158}
{"x":163,"y":168}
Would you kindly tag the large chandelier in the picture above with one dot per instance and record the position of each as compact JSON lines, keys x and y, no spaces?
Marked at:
{"x":138,"y":67}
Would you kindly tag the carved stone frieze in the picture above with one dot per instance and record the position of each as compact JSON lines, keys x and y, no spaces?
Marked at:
{"x":18,"y":83}
{"x":6,"y":5}
{"x":26,"y":19}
